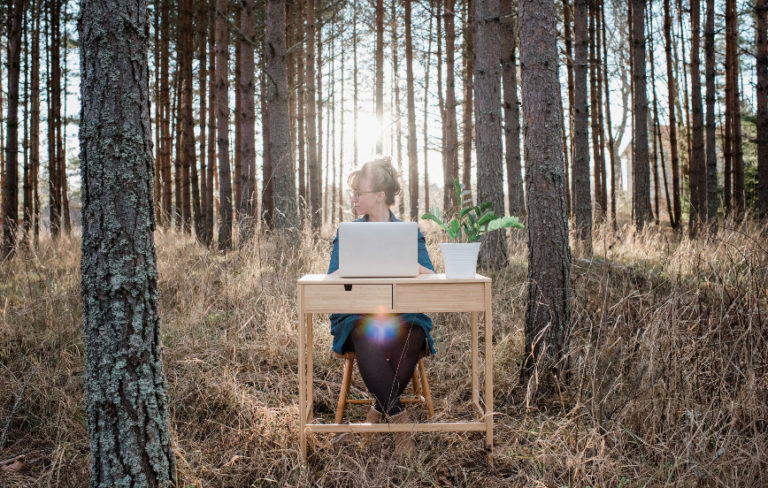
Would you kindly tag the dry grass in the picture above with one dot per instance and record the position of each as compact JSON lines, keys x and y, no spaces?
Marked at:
{"x":668,"y":383}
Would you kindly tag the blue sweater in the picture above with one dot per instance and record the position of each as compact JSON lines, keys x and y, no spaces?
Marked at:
{"x":342,"y":324}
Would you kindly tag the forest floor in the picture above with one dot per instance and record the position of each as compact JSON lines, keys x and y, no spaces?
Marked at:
{"x":668,"y":381}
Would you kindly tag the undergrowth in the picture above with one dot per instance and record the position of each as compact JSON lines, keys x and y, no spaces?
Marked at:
{"x":667,"y":384}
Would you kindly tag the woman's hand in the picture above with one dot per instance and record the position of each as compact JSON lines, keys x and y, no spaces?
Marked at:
{"x":423,"y":270}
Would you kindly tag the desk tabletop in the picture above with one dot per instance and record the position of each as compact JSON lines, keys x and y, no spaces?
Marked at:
{"x":325,"y":279}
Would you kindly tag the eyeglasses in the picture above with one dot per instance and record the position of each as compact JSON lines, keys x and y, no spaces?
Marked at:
{"x":356,"y":194}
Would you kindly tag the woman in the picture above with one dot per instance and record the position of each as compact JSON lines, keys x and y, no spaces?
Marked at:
{"x":387,"y":348}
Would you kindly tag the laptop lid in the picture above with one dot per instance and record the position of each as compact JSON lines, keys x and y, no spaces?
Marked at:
{"x":378,"y":249}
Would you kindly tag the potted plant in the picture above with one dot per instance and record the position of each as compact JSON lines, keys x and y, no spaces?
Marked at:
{"x":465,"y":231}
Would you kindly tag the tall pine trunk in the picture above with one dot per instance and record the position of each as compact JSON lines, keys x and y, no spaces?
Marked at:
{"x":187,"y":156}
{"x":315,"y":181}
{"x":451,"y":161}
{"x":549,"y":258}
{"x":698,"y":175}
{"x":413,"y":163}
{"x":379,"y":74}
{"x":279,"y":118}
{"x":641,"y":203}
{"x":580,"y":189}
{"x":125,"y":395}
{"x":427,"y":57}
{"x":732,"y":47}
{"x":490,"y":170}
{"x":247,"y":150}
{"x":672,"y":95}
{"x":515,"y":195}
{"x":469,"y":67}
{"x":761,"y":15}
{"x":709,"y":50}
{"x":222,"y":122}
{"x":11,"y":173}
{"x":211,"y":167}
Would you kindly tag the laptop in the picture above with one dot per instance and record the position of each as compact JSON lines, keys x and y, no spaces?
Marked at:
{"x":378,"y":249}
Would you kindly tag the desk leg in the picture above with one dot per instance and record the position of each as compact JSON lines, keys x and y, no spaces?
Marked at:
{"x":310,"y":397}
{"x":475,"y":373}
{"x":488,"y":370}
{"x":302,"y":385}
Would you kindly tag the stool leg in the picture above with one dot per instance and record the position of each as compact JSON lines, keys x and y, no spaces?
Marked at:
{"x":345,"y":382}
{"x":415,"y":383}
{"x":427,"y":391}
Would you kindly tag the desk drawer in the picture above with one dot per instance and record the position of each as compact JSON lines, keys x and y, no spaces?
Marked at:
{"x":448,"y":297}
{"x":347,"y":298}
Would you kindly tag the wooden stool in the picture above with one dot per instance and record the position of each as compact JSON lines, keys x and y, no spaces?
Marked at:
{"x":421,"y":392}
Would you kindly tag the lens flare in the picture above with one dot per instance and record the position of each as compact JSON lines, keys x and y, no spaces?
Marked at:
{"x":382,"y":327}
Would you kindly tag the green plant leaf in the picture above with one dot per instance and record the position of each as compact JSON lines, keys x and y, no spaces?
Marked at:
{"x":455,"y":229}
{"x":505,"y":223}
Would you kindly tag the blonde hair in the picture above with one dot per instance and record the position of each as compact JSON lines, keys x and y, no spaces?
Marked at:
{"x":382,"y":175}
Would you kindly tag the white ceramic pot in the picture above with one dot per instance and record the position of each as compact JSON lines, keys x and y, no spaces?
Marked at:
{"x":460,"y":258}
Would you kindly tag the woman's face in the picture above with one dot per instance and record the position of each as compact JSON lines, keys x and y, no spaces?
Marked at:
{"x":364,"y":199}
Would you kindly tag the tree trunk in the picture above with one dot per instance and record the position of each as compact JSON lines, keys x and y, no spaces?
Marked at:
{"x":268,"y":192}
{"x":698,"y":175}
{"x":672,"y":91}
{"x":165,"y":130}
{"x":580,"y":189}
{"x":451,"y":161}
{"x":397,"y":114}
{"x":709,"y":49}
{"x":594,"y":104}
{"x":247,"y":151}
{"x":656,"y":130}
{"x":515,"y":195}
{"x":54,"y":108}
{"x":761,"y":14}
{"x":312,"y":150}
{"x":341,"y":130}
{"x":641,"y":204}
{"x":222,"y":122}
{"x":11,"y":180}
{"x":549,"y":258}
{"x":569,"y":66}
{"x":203,"y":21}
{"x":301,"y":136}
{"x":34,"y":133}
{"x":187,"y":156}
{"x":319,"y":122}
{"x":469,"y":67}
{"x":279,"y":118}
{"x":427,"y":64}
{"x":379,"y":75}
{"x":490,"y":170}
{"x":413,"y":163}
{"x":609,"y":129}
{"x":125,"y":395}
{"x":440,"y":97}
{"x":211,"y":168}
{"x":355,"y":147}
{"x":732,"y":46}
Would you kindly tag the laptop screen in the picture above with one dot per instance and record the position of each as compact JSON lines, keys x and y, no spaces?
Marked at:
{"x":378,"y":249}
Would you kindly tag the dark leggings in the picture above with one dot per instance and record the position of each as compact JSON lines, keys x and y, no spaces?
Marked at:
{"x":386,"y":379}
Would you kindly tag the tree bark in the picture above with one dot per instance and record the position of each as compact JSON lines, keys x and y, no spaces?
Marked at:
{"x":732,"y":46}
{"x":398,"y":122}
{"x":11,"y":174}
{"x":451,"y":161}
{"x":165,"y":130}
{"x":211,"y":169}
{"x":761,"y":15}
{"x":413,"y":163}
{"x":641,"y":204}
{"x":490,"y":170}
{"x":247,"y":123}
{"x":301,"y":136}
{"x":609,"y":129}
{"x":202,"y":22}
{"x":427,"y":64}
{"x":580,"y":189}
{"x":698,"y":175}
{"x":315,"y":171}
{"x":279,"y":118}
{"x":126,"y":400}
{"x":549,"y":257}
{"x":672,"y":91}
{"x":379,"y":75}
{"x":469,"y":67}
{"x":54,"y":109}
{"x":515,"y":195}
{"x":709,"y":50}
{"x":567,"y":34}
{"x":187,"y":156}
{"x":222,"y":119}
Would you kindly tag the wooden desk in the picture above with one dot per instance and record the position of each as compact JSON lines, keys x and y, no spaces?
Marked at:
{"x":425,"y":293}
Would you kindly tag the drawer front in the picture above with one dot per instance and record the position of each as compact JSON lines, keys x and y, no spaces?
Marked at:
{"x":448,"y":297}
{"x":347,"y":298}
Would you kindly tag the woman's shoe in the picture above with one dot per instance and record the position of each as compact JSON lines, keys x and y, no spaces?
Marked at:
{"x":404,"y":445}
{"x":373,"y":416}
